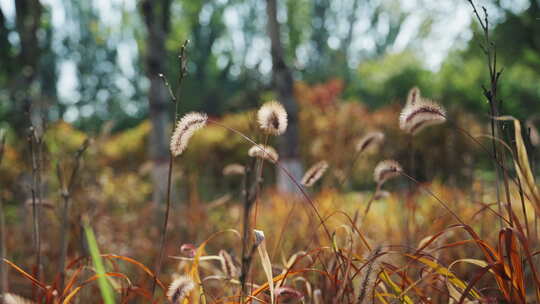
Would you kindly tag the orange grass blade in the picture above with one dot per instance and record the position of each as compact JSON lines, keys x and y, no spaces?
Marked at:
{"x":514,"y":267}
{"x":107,"y":274}
{"x":72,"y":294}
{"x":136,"y":263}
{"x":26,"y":275}
{"x":194,"y":272}
{"x":72,"y":280}
{"x":282,"y":276}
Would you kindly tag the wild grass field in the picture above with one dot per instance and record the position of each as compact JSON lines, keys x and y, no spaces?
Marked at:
{"x":418,"y":201}
{"x":400,"y":240}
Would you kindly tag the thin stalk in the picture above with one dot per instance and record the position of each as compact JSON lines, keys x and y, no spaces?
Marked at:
{"x":163,"y":236}
{"x":66,"y":195}
{"x":442,"y":203}
{"x":34,"y":192}
{"x":259,"y":170}
{"x":536,"y":227}
{"x":408,"y":203}
{"x":258,"y":181}
{"x":3,"y":254}
{"x":366,"y":211}
{"x":40,"y":199}
{"x":245,"y":258}
{"x":523,"y":208}
{"x":491,"y":94}
{"x":350,"y":169}
{"x":64,"y":238}
{"x":283,"y":228}
{"x":250,"y":195}
{"x":3,"y":271}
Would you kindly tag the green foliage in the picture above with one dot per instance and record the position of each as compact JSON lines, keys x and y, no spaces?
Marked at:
{"x":387,"y":78}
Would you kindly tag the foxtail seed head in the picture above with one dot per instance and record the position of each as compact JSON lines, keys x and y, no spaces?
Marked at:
{"x":369,"y":140}
{"x":185,"y":128}
{"x":386,"y":170}
{"x":423,"y":113}
{"x":234,"y":169}
{"x":180,"y":289}
{"x":227,"y":265}
{"x":314,"y":173}
{"x":264,"y":152}
{"x":413,"y":96}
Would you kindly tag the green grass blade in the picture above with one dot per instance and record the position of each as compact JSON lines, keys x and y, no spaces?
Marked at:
{"x":104,"y":287}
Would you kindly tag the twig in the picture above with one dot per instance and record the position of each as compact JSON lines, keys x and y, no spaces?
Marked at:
{"x":491,"y":94}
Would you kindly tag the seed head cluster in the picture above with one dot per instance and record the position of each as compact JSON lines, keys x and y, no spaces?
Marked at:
{"x":272,"y":118}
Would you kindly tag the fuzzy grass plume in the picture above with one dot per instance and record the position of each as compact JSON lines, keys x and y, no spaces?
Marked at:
{"x":264,"y":152}
{"x":272,"y":118}
{"x":385,"y":170}
{"x":314,"y":173}
{"x":418,"y":115}
{"x":368,"y":276}
{"x":413,"y":96}
{"x":10,"y":298}
{"x":185,"y":128}
{"x":234,"y":169}
{"x":288,"y":294}
{"x":369,"y":140}
{"x":227,"y":265}
{"x":381,"y":194}
{"x":180,"y":289}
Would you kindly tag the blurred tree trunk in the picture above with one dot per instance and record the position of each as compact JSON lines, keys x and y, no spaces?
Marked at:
{"x":283,"y":81}
{"x":156,"y":17}
{"x":346,"y":44}
{"x":28,"y":19}
{"x":5,"y":50}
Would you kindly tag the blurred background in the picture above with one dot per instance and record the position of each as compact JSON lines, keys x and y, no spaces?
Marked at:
{"x":78,"y":69}
{"x":92,"y":67}
{"x":84,"y":62}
